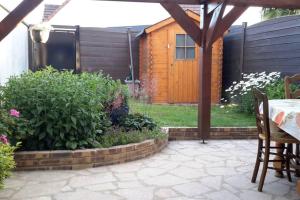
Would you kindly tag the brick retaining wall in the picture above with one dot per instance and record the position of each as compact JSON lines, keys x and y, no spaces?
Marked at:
{"x":216,"y":133}
{"x":80,"y":159}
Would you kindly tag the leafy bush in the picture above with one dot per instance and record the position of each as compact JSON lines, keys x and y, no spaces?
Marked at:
{"x":137,"y":121}
{"x":7,"y":162}
{"x":63,"y":110}
{"x":241,"y":92}
{"x":119,"y":137}
{"x":275,"y":90}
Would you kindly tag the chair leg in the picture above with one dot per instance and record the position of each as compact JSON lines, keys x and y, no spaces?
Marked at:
{"x":265,"y":166}
{"x":257,"y":163}
{"x":297,"y":173}
{"x":279,"y":165}
{"x":289,"y":151}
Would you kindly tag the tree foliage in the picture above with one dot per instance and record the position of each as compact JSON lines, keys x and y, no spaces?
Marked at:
{"x":270,"y":13}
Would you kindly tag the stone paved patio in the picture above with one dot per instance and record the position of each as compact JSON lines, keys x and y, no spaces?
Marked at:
{"x":185,"y":170}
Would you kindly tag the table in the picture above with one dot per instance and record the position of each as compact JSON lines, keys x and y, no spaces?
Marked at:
{"x":286,"y":115}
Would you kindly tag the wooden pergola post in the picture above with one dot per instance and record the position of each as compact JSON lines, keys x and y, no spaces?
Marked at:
{"x":204,"y":103}
{"x":212,"y":26}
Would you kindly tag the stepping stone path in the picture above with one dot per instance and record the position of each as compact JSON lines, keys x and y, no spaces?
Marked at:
{"x":185,"y":170}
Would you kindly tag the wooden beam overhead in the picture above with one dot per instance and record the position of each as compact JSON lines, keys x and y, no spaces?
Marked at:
{"x":228,"y":20}
{"x":292,"y":4}
{"x":212,"y":6}
{"x":263,"y":3}
{"x":193,"y":2}
{"x":16,"y":16}
{"x":214,"y":23}
{"x":186,"y":23}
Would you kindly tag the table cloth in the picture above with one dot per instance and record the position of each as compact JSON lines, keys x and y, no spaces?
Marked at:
{"x":286,"y":114}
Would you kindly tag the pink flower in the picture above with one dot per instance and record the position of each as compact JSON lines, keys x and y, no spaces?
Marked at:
{"x":4,"y":139}
{"x":14,"y":113}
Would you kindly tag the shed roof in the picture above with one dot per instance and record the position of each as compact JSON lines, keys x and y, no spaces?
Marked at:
{"x":166,"y":22}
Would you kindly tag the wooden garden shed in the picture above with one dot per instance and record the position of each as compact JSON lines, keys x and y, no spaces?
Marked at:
{"x":169,"y":63}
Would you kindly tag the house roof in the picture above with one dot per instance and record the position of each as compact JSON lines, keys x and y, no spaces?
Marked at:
{"x":168,"y":21}
{"x":51,"y":10}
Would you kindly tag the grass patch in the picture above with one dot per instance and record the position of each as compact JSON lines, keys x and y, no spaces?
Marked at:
{"x":186,"y":115}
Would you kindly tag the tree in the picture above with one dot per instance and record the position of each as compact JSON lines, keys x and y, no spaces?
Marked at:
{"x":269,"y":13}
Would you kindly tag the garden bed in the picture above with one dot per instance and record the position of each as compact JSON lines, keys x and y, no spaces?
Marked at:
{"x":87,"y":158}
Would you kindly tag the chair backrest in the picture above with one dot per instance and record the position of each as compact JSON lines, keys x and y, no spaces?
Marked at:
{"x":288,"y":81}
{"x":261,"y":107}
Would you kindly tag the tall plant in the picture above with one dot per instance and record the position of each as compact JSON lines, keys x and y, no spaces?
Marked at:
{"x":241,"y":92}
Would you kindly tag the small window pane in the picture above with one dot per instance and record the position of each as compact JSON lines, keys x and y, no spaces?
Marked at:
{"x":180,"y":54}
{"x":180,"y":40}
{"x":189,"y":42}
{"x":190,"y":53}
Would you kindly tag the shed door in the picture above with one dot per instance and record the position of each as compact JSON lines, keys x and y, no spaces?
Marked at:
{"x":183,"y":68}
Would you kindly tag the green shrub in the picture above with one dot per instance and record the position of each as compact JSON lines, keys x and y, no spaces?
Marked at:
{"x":275,"y":90}
{"x":64,"y":110}
{"x":119,"y":137}
{"x":7,"y":162}
{"x":137,"y":121}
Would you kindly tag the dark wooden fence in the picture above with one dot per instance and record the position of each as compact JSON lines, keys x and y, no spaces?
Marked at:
{"x":107,"y":50}
{"x":90,"y":50}
{"x":269,"y":46}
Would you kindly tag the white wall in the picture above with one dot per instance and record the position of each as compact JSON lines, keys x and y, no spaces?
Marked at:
{"x":13,"y":51}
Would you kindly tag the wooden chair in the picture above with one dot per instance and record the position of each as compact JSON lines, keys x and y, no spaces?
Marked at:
{"x":265,"y":137}
{"x":288,"y":81}
{"x":293,"y":94}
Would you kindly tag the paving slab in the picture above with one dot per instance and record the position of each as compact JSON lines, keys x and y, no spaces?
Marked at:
{"x":184,"y":170}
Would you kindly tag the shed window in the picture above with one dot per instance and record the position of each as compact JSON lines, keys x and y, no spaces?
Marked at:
{"x":185,"y":47}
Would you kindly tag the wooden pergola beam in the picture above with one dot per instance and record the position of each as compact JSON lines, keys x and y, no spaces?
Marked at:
{"x":228,"y":20}
{"x":215,"y":21}
{"x":16,"y":16}
{"x":191,"y":2}
{"x":186,"y":23}
{"x":292,"y":4}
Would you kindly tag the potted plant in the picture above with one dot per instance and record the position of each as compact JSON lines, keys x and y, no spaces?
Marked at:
{"x":39,"y":33}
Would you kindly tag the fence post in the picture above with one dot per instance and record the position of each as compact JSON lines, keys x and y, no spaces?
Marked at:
{"x":77,"y":50}
{"x":242,"y":54}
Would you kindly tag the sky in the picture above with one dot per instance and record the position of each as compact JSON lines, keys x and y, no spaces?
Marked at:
{"x":91,"y":13}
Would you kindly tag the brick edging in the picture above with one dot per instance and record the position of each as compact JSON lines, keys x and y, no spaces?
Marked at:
{"x":185,"y":133}
{"x":87,"y":158}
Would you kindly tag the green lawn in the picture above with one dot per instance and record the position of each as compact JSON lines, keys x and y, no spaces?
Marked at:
{"x":186,"y":115}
